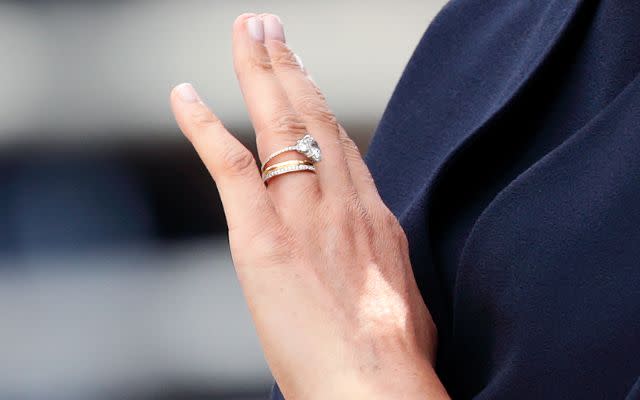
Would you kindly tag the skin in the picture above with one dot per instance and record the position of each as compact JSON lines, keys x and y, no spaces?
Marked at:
{"x":323,"y":264}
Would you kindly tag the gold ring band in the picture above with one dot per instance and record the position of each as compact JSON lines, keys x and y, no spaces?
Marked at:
{"x":286,"y":167}
{"x":288,"y":163}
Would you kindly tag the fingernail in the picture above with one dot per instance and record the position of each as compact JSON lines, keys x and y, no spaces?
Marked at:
{"x":273,"y":29}
{"x":256,"y":29}
{"x":187,"y":93}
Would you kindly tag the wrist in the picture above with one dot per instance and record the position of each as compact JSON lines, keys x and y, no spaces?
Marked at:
{"x":415,"y":380}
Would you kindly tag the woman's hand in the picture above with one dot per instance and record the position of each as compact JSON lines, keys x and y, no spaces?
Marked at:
{"x":323,"y":263}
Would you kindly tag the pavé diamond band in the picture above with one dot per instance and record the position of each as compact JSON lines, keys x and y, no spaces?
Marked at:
{"x":285,"y":168}
{"x":306,"y":146}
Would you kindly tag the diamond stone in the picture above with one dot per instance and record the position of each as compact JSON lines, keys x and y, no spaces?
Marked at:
{"x":310,"y":148}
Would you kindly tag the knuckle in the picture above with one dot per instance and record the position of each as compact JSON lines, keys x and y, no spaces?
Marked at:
{"x":282,"y":56}
{"x":351,"y":150}
{"x":260,"y":63}
{"x":346,"y":141}
{"x":286,"y":123}
{"x":319,"y":95}
{"x":316,"y":108}
{"x":354,"y":208}
{"x":203,"y":118}
{"x":237,"y":161}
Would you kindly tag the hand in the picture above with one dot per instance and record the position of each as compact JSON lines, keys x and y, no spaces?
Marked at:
{"x":323,"y":263}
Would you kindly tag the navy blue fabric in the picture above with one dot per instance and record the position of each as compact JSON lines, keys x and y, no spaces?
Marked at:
{"x":510,"y":152}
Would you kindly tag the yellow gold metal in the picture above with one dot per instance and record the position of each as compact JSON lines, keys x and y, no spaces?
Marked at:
{"x":284,"y":164}
{"x":287,"y":167}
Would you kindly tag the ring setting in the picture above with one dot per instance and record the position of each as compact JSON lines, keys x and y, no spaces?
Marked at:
{"x":310,"y":148}
{"x":307,"y":146}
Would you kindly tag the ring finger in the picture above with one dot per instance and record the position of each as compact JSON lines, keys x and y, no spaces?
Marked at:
{"x":274,"y":119}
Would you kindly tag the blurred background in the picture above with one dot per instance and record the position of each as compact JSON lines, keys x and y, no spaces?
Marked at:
{"x":115,"y":275}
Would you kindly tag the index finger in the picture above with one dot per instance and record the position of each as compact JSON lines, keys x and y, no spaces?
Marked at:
{"x":246,"y":202}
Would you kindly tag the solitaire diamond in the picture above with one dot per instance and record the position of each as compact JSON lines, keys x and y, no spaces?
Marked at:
{"x":310,"y":148}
